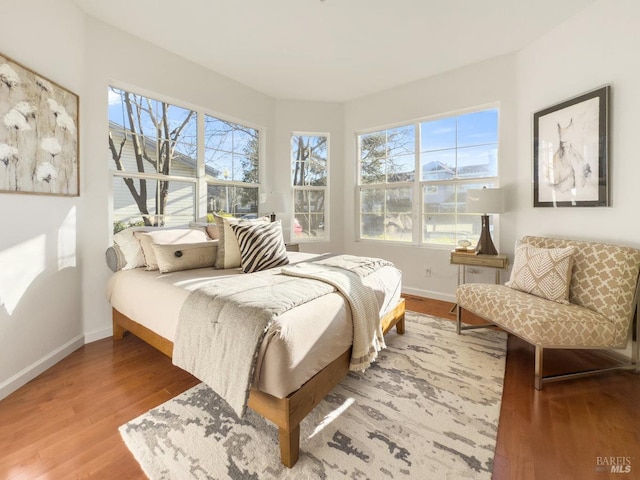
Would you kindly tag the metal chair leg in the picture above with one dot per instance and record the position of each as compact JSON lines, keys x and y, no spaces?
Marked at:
{"x":635,"y":340}
{"x":538,"y":368}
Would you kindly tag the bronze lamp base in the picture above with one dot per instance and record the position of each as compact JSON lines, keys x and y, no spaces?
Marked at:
{"x":485,"y":245}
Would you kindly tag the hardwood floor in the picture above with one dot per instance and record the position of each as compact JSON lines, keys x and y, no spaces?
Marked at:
{"x":64,"y":423}
{"x":559,"y":432}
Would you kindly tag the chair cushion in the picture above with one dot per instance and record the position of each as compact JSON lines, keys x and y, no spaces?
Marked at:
{"x":537,"y":320}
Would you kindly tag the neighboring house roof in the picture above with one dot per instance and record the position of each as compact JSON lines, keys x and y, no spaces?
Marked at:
{"x":473,"y":169}
{"x":118,"y":132}
{"x":436,"y":166}
{"x":464,"y":171}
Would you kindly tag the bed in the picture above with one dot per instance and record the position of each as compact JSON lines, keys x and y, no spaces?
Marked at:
{"x":303,"y":355}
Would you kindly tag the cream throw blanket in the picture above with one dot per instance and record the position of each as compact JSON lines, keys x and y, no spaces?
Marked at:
{"x":222,"y":324}
{"x":344,"y":272}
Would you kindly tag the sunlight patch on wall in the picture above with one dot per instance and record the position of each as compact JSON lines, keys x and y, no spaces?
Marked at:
{"x":67,"y":241}
{"x":21,"y":264}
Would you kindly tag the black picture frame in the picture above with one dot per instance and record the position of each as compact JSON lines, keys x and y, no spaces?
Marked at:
{"x":571,"y":152}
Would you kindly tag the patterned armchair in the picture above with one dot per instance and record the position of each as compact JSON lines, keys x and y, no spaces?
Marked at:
{"x":563,"y":294}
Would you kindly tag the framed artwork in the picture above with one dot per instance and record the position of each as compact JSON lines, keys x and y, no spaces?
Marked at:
{"x":570,"y":152}
{"x":38,"y":133}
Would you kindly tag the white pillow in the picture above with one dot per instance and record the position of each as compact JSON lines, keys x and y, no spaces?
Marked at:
{"x":167,"y":236}
{"x":130,"y":246}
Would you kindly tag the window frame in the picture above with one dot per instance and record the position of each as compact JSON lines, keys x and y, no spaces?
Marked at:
{"x":233,"y":183}
{"x":309,"y":188}
{"x":417,"y":185}
{"x":200,"y":178}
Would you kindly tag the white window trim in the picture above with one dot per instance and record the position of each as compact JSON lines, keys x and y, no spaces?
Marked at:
{"x":418,"y":213}
{"x":200,"y":197}
{"x":326,"y":188}
{"x":211,"y":181}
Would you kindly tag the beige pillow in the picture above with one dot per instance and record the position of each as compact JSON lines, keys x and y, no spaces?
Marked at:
{"x":228,"y":250}
{"x":186,"y":256}
{"x":212,"y":231}
{"x":544,"y":272}
{"x":210,"y":228}
{"x":167,"y":237}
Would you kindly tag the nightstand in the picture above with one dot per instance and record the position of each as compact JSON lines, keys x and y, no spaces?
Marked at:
{"x":292,"y":247}
{"x":464,"y":260}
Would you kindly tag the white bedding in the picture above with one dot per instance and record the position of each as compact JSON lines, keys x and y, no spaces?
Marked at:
{"x":297,"y":346}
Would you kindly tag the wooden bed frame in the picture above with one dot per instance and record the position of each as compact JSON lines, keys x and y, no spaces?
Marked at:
{"x":286,"y":413}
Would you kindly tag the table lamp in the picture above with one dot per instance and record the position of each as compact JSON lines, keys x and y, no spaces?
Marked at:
{"x":276,"y":203}
{"x":485,"y":201}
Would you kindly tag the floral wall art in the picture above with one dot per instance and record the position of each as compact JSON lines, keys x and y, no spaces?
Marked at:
{"x":38,"y":133}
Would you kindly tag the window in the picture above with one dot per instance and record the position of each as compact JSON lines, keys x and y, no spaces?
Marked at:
{"x":309,"y":169}
{"x":387,"y":174}
{"x":451,"y":154}
{"x":231,"y":154}
{"x":154,"y":148}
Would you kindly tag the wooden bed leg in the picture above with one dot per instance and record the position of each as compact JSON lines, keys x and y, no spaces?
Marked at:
{"x":289,"y":445}
{"x":394,"y":318}
{"x":118,"y":331}
{"x":400,"y":326}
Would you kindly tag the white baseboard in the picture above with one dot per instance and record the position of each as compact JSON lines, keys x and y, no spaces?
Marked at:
{"x":32,"y":371}
{"x":98,"y":335}
{"x":430,"y":294}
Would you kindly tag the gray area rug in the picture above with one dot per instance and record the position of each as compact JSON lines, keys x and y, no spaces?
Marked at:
{"x":428,"y":408}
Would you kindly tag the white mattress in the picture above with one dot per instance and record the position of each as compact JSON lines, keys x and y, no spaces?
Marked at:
{"x":298,"y":344}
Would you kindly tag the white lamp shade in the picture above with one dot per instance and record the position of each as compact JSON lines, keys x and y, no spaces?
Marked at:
{"x":276,"y":202}
{"x":485,"y":200}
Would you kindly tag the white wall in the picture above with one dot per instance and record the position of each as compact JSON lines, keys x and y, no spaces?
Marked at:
{"x":114,"y":57}
{"x":40,"y":278}
{"x":597,"y":47}
{"x":484,"y":83}
{"x":311,"y":117}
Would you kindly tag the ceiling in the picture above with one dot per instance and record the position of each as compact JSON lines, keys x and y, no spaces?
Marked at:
{"x":334,"y":50}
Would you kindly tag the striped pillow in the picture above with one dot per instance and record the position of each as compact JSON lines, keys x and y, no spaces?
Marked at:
{"x":261,"y":246}
{"x":544,"y":272}
{"x":228,"y":255}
